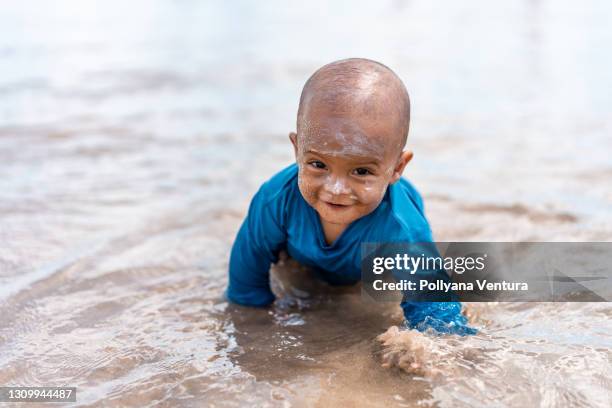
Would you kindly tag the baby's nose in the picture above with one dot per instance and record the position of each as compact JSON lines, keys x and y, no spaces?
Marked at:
{"x":337,"y":186}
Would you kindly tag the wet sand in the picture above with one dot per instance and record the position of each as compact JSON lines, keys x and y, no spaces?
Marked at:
{"x":131,"y":141}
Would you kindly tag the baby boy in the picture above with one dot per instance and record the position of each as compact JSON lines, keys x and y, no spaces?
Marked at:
{"x":345,"y":189}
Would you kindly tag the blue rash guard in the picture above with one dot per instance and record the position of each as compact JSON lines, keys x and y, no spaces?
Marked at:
{"x":280,"y":219}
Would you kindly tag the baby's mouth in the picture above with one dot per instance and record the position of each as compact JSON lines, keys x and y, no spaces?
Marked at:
{"x":336,"y":206}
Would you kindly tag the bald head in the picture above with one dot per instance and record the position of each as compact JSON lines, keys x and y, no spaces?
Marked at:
{"x":360,"y":87}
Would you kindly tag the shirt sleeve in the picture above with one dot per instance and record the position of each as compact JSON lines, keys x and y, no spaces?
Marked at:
{"x":441,"y":315}
{"x":432,"y":310}
{"x":257,"y":245}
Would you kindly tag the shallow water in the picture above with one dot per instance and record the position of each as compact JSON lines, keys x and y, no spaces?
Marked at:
{"x":132,"y":138}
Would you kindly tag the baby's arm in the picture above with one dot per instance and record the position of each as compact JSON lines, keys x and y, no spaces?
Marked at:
{"x":425,"y":310}
{"x":256,"y":246}
{"x":444,"y":317}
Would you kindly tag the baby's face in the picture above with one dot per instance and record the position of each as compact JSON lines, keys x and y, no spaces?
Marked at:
{"x":346,"y":163}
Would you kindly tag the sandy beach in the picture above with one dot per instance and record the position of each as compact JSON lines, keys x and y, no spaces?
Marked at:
{"x":132,"y":138}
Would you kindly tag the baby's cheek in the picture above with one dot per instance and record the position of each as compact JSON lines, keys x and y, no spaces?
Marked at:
{"x":306,"y":186}
{"x":372,"y":193}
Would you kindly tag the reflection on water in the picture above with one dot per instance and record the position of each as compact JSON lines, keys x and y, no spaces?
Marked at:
{"x":133,"y":135}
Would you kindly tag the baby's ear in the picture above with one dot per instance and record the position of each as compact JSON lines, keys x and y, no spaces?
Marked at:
{"x":403,"y":160}
{"x":293,"y":138}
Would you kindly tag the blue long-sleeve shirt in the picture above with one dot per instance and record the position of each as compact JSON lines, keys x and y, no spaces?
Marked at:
{"x":279,"y":218}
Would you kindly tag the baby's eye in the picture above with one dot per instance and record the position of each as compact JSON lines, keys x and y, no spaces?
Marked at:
{"x":362,"y":171}
{"x":317,"y":164}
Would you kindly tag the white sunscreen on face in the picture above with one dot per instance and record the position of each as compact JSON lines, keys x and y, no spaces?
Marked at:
{"x":336,"y":186}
